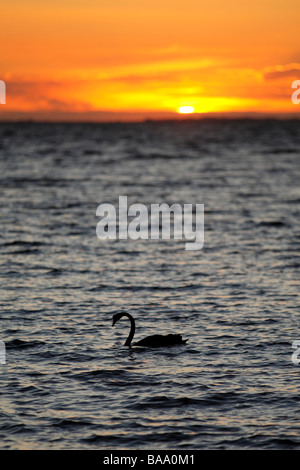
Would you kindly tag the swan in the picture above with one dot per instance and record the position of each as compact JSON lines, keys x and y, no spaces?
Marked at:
{"x":154,"y":341}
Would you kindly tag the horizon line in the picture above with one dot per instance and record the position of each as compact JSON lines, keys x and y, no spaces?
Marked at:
{"x":110,"y":117}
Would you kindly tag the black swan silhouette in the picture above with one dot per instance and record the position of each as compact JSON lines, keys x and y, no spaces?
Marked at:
{"x":154,"y":341}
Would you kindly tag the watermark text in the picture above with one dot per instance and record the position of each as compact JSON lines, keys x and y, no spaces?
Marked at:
{"x":296,"y":354}
{"x":2,"y":92}
{"x":161,"y":222}
{"x":296,"y":94}
{"x":2,"y":353}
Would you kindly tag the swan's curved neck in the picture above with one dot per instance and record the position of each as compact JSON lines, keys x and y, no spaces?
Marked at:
{"x":132,"y":329}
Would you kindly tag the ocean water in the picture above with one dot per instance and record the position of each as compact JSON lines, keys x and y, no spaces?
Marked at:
{"x":68,"y":381}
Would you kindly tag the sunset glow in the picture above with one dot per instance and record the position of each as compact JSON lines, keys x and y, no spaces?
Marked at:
{"x":127,"y":60}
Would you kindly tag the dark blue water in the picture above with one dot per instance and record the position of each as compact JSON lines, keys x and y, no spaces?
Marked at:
{"x":68,"y":381}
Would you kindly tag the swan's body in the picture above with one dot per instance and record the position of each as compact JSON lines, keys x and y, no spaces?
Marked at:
{"x":154,"y":341}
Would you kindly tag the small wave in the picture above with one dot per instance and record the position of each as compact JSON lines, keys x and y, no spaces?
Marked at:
{"x":117,"y":379}
{"x":163,"y":402}
{"x":271,"y":223}
{"x":29,"y":251}
{"x":102,"y":373}
{"x":260,"y":441}
{"x":16,"y":344}
{"x":135,"y":287}
{"x":283,"y":442}
{"x":23,"y":243}
{"x":55,"y":272}
{"x":16,"y":428}
{"x":70,"y":423}
{"x":135,"y":440}
{"x":281,"y":150}
{"x":152,"y":156}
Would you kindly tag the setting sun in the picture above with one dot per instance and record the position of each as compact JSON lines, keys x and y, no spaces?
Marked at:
{"x":186,"y":109}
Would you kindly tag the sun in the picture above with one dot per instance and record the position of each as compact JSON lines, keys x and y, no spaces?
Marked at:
{"x":186,"y":109}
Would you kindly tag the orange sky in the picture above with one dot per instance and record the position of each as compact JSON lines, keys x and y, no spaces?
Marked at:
{"x":109,"y":59}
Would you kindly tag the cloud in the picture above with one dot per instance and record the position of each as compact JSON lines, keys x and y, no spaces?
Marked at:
{"x":282,"y":71}
{"x":42,"y":96}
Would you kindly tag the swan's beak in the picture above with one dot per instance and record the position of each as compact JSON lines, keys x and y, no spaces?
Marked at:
{"x":116,"y":317}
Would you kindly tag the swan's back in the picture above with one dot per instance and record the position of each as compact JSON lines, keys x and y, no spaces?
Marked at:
{"x":158,"y":341}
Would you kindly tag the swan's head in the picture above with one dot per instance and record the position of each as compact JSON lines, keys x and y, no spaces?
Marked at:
{"x":117,"y":317}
